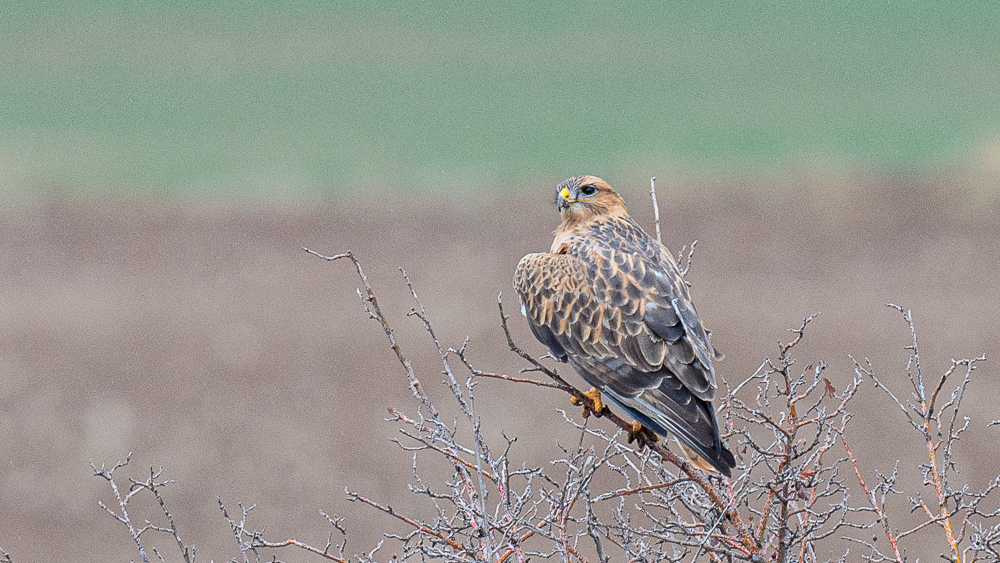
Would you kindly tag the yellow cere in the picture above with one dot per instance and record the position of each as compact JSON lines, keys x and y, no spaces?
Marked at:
{"x":564,"y":193}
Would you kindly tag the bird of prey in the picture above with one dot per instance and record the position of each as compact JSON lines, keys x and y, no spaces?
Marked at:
{"x":610,"y":300}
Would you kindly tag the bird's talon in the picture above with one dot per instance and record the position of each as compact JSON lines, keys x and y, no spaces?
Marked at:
{"x":594,"y":407}
{"x":595,"y":396}
{"x":641,"y":435}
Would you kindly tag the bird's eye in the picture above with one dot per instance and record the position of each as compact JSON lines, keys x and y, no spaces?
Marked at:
{"x":588,"y":189}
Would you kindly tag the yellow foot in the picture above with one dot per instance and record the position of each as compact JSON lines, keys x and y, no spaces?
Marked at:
{"x":595,"y":397}
{"x":641,"y":435}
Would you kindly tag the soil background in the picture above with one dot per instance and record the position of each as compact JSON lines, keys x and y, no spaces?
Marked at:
{"x":200,"y":337}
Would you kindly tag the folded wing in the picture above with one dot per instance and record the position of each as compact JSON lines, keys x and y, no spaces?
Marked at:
{"x":625,"y":322}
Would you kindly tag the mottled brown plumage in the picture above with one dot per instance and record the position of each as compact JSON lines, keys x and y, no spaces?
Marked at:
{"x":610,"y":300}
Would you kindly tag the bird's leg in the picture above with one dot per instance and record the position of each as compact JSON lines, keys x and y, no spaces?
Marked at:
{"x":595,"y":397}
{"x":641,"y":435}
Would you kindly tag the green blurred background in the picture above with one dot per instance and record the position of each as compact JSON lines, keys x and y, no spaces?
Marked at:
{"x":305,"y":97}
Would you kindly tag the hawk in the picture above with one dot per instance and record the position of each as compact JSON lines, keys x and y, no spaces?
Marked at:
{"x":610,"y":300}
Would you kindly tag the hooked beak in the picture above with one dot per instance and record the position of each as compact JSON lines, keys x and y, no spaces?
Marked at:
{"x":564,"y":199}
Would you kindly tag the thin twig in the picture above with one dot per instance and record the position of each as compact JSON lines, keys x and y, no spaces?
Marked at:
{"x":656,"y":209}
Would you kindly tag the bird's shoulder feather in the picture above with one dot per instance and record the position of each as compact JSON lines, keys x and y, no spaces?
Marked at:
{"x":616,"y":293}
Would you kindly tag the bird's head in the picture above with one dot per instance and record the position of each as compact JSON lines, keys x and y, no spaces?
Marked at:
{"x":583,"y":197}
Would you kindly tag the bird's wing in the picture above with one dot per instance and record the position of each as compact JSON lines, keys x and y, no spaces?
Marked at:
{"x":626,"y":323}
{"x":559,"y":304}
{"x":669,"y":408}
{"x":621,"y":305}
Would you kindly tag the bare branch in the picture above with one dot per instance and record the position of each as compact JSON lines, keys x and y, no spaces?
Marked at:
{"x":656,"y":209}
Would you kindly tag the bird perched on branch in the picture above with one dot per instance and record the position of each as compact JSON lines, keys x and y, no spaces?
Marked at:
{"x":610,"y":300}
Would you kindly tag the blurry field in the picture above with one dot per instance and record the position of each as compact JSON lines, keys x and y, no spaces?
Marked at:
{"x":263,"y":98}
{"x":205,"y":341}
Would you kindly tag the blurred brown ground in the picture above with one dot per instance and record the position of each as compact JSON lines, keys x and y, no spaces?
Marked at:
{"x":201,"y":338}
